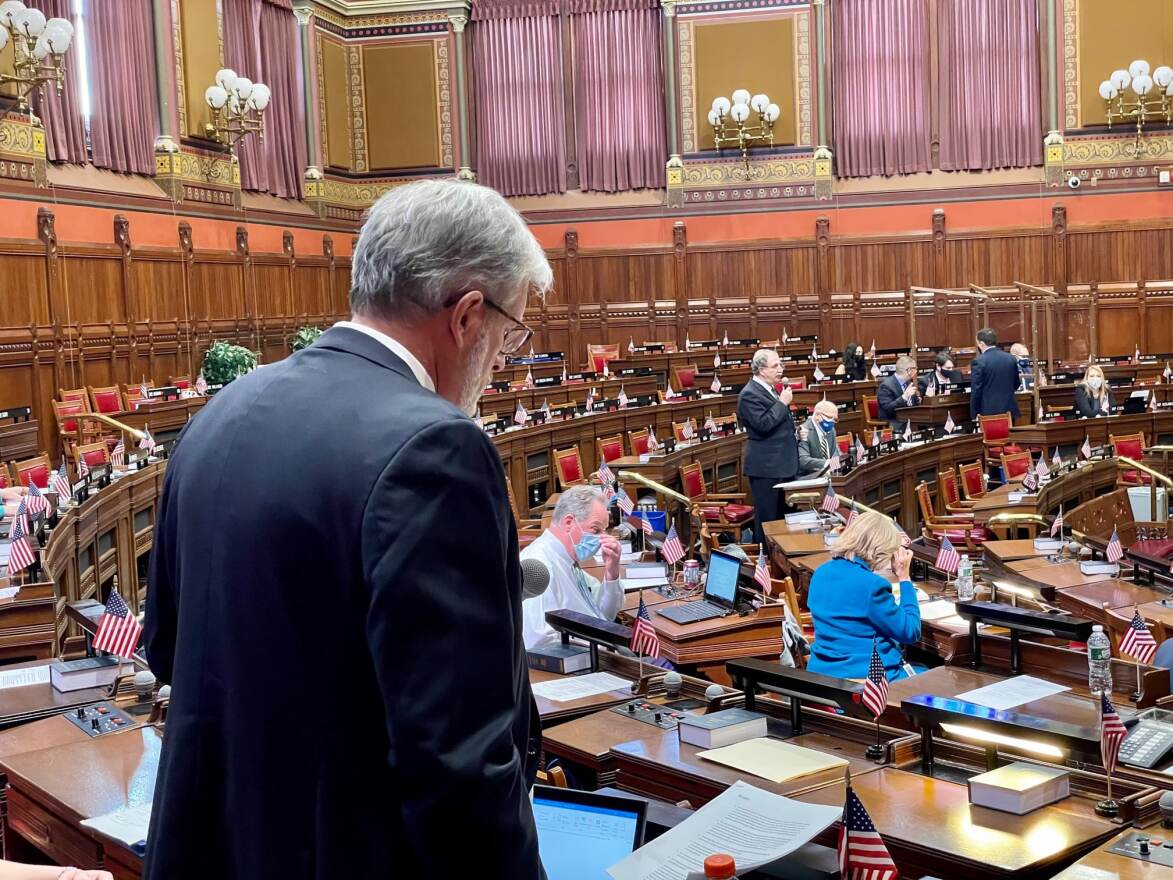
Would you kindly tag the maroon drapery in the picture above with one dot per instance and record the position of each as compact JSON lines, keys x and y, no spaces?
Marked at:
{"x":65,"y":131}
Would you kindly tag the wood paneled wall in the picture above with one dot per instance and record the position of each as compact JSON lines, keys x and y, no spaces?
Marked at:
{"x":75,"y":315}
{"x":1115,"y":281}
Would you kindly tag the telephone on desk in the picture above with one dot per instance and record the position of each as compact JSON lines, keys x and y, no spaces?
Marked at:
{"x":1149,"y":743}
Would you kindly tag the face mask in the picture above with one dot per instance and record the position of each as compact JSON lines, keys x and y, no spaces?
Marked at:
{"x":587,"y":546}
{"x":827,"y":425}
{"x":1024,"y":363}
{"x":1095,"y":382}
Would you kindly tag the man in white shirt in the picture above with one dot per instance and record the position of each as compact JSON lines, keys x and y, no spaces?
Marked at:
{"x":576,"y":533}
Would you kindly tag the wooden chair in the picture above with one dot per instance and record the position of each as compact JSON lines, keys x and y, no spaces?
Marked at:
{"x":610,"y":448}
{"x":995,"y":437}
{"x":37,"y":469}
{"x":1130,"y":446}
{"x":1015,"y":465}
{"x":871,"y":412}
{"x":949,"y":494}
{"x":638,"y":441}
{"x":678,"y":430}
{"x":686,"y":376}
{"x":973,"y":480}
{"x":74,"y":394}
{"x":180,"y":382}
{"x":527,"y":528}
{"x":568,"y":467}
{"x":131,"y":395}
{"x":66,"y":412}
{"x":106,"y":400}
{"x":554,"y":776}
{"x":843,"y":441}
{"x":724,"y":512}
{"x":94,"y":455}
{"x":597,"y":355}
{"x":1118,"y":621}
{"x":961,"y":530}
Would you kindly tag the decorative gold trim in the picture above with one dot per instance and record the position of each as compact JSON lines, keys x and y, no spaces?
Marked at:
{"x":220,"y":31}
{"x":358,"y":108}
{"x":1117,"y":150}
{"x":351,"y":22}
{"x":1071,"y":116}
{"x":181,"y":92}
{"x":802,"y":81}
{"x":323,"y":134}
{"x":444,"y":102}
{"x":22,"y":150}
{"x":762,"y":172}
{"x":686,"y":63}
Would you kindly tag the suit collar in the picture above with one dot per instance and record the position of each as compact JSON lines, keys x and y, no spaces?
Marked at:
{"x":357,"y":343}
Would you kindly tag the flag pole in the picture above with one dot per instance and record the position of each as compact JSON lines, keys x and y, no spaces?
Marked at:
{"x":874,"y":752}
{"x":1136,"y":694}
{"x":636,"y":684}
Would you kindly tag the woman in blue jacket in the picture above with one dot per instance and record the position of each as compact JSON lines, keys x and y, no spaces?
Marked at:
{"x":851,"y":605}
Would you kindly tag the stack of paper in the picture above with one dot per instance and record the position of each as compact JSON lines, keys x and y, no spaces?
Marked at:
{"x":773,"y":759}
{"x":126,"y":824}
{"x":576,"y":687}
{"x":645,"y":576}
{"x":1012,"y":692}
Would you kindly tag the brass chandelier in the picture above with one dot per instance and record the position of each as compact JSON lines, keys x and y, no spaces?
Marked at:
{"x":238,"y":108}
{"x":38,"y":47}
{"x":729,"y":119}
{"x":1153,"y":95}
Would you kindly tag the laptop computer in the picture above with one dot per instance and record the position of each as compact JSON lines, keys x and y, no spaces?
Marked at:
{"x":583,"y":833}
{"x":1137,"y":402}
{"x":720,"y":597}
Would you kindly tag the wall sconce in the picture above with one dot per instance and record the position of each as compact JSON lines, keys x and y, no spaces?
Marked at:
{"x":729,"y":119}
{"x":1154,"y":97}
{"x":38,"y":48}
{"x":238,"y":107}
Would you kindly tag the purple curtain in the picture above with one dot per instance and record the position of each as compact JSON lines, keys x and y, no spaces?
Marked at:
{"x":619,"y":99}
{"x":65,"y":130}
{"x":261,"y":43}
{"x":989,"y":102}
{"x":880,"y":91}
{"x":517,"y":102}
{"x":120,"y":50}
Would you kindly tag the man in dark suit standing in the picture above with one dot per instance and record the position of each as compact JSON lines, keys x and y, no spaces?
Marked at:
{"x":898,"y":392}
{"x":335,"y":595}
{"x":771,"y":448}
{"x":994,"y":378}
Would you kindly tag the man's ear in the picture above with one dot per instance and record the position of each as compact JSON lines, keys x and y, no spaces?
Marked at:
{"x":467,"y":318}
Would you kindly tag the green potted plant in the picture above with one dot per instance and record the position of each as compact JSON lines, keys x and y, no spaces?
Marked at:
{"x":304,"y":338}
{"x":224,"y":362}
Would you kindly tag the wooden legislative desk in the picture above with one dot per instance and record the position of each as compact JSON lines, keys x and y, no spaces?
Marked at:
{"x":1103,"y":865}
{"x":164,"y":417}
{"x":503,"y":404}
{"x":1069,"y":435}
{"x":1068,"y":490}
{"x":18,"y":440}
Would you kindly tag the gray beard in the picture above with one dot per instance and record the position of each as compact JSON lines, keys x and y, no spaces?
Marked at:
{"x":474,"y":384}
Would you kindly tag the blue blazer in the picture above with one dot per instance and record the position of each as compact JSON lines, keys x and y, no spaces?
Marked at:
{"x":994,"y":379}
{"x":851,"y":605}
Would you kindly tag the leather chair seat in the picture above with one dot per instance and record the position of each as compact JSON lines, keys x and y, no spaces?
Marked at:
{"x":1161,"y":548}
{"x":1136,"y":478}
{"x":977,"y":534}
{"x":734,"y":513}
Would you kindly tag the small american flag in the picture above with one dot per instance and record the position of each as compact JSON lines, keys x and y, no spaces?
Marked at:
{"x":20,"y":552}
{"x":672,"y":550}
{"x":1115,"y":550}
{"x":606,"y":370}
{"x":201,"y":385}
{"x":947,"y":556}
{"x":686,"y":431}
{"x":725,"y":339}
{"x":564,"y":374}
{"x":908,"y":430}
{"x":669,"y":394}
{"x":815,"y":352}
{"x":1086,"y":449}
{"x":716,"y":360}
{"x":785,"y":335}
{"x":851,"y":515}
{"x":37,"y":503}
{"x":118,"y":630}
{"x":590,"y":399}
{"x":606,"y":475}
{"x":623,"y":401}
{"x":830,"y":500}
{"x":60,"y":484}
{"x":1057,"y":459}
{"x":687,"y":342}
{"x":819,"y":375}
{"x":142,"y":389}
{"x":643,"y":635}
{"x":1057,"y":524}
{"x":875,"y":687}
{"x":872,"y":350}
{"x":860,"y":452}
{"x":761,"y":572}
{"x":608,"y":493}
{"x":1167,"y":373}
{"x":653,"y":443}
{"x":862,"y":853}
{"x":545,"y":408}
{"x":833,"y":463}
{"x":520,"y":416}
{"x":875,"y":437}
{"x":1030,"y":480}
{"x":625,"y":502}
{"x":644,"y":523}
{"x":875,"y":368}
{"x":147,"y":442}
{"x":1136,"y":355}
{"x":1138,"y":641}
{"x":1041,"y":469}
{"x":950,"y":425}
{"x":715,"y":385}
{"x":1112,"y":733}
{"x":83,"y":467}
{"x":631,"y":345}
{"x":529,"y":377}
{"x":118,"y":456}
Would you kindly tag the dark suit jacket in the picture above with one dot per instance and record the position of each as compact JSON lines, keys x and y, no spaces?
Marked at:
{"x":994,"y":378}
{"x":810,"y":451}
{"x":889,"y":399}
{"x":335,"y":597}
{"x":771,"y":449}
{"x":1088,"y":406}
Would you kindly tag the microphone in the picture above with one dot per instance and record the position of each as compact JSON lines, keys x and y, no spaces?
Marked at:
{"x":535,"y":578}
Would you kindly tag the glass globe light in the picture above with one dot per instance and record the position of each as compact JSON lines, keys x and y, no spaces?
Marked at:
{"x":226,"y":78}
{"x":1163,"y":75}
{"x":740,"y":112}
{"x":215,"y":97}
{"x":773,"y":112}
{"x":40,"y":49}
{"x":759,"y":102}
{"x":56,"y":39}
{"x":1137,"y":68}
{"x":1169,"y":89}
{"x":714,"y":118}
{"x":1120,"y":78}
{"x":259,"y":98}
{"x":1107,"y":90}
{"x":243,"y":87}
{"x":9,"y":10}
{"x":30,"y":22}
{"x":741,"y":96}
{"x":1142,"y":85}
{"x":64,"y":23}
{"x":3,"y":38}
{"x":721,"y":105}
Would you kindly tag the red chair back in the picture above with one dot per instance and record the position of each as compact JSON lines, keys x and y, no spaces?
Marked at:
{"x":693,"y":481}
{"x":639,"y":442}
{"x":611,"y":448}
{"x":1015,"y":465}
{"x":1130,"y":446}
{"x":973,"y":480}
{"x":995,"y":427}
{"x":570,"y":469}
{"x":108,"y":400}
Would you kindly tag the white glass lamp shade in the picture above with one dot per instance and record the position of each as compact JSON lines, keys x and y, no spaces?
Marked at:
{"x":1163,"y":75}
{"x":1143,"y":84}
{"x":216,"y":97}
{"x":40,"y":49}
{"x":721,"y":105}
{"x":714,"y":118}
{"x":30,"y":22}
{"x":1120,"y":79}
{"x":8,"y":11}
{"x":63,"y":23}
{"x":741,"y":96}
{"x":1169,"y":89}
{"x":773,"y":112}
{"x":1137,"y":68}
{"x":243,"y":87}
{"x":233,"y":102}
{"x":57,"y":40}
{"x":759,"y":102}
{"x":259,"y":99}
{"x":3,"y":37}
{"x":226,"y":78}
{"x":740,"y":112}
{"x":1107,"y":90}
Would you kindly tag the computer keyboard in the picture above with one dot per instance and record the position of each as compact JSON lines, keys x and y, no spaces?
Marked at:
{"x":691,"y":612}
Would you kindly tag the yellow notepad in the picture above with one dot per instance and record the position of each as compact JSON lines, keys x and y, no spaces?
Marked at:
{"x":773,"y":759}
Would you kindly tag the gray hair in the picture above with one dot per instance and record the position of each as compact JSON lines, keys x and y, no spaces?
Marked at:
{"x":828,"y":407}
{"x":760,"y":358}
{"x":425,"y":242}
{"x":904,"y":363}
{"x":577,"y":501}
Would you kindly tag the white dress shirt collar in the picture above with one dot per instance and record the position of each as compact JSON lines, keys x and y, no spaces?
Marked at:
{"x":766,"y":385}
{"x":398,"y":349}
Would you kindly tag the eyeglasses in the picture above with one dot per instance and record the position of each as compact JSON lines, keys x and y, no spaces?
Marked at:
{"x":515,"y":337}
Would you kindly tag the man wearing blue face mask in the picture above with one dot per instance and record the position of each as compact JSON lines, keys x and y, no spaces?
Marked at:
{"x":576,"y":534}
{"x":818,"y":444}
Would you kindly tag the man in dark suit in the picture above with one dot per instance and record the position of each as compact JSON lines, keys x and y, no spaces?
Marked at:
{"x":335,"y":593}
{"x":771,"y":448}
{"x":994,"y":378}
{"x":943,"y":379}
{"x":898,"y":392}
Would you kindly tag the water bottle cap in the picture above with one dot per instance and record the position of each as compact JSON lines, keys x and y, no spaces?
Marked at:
{"x":719,"y":866}
{"x":1097,"y":628}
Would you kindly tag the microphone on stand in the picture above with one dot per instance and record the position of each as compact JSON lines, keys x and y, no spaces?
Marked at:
{"x":535,"y":578}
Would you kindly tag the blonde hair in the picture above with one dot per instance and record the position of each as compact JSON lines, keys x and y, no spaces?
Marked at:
{"x":1095,"y":369}
{"x":873,"y":537}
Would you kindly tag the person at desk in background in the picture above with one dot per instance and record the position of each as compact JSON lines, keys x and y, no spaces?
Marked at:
{"x":854,"y":366}
{"x":897,"y":392}
{"x":771,"y":447}
{"x":819,"y":443}
{"x":1026,"y":367}
{"x":577,"y":531}
{"x":993,"y":379}
{"x":1093,"y":397}
{"x":851,"y":605}
{"x":943,"y":379}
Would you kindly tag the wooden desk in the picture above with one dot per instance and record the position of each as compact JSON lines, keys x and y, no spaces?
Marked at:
{"x":1010,"y":551}
{"x":20,"y":705}
{"x":1089,"y":601}
{"x":1103,"y":865}
{"x":1051,"y":577}
{"x":1161,"y":609}
{"x":553,"y":712}
{"x":504,"y":403}
{"x":19,"y":440}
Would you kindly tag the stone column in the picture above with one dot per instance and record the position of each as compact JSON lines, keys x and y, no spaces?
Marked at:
{"x":459,"y":21}
{"x":674,"y":171}
{"x":166,"y":141}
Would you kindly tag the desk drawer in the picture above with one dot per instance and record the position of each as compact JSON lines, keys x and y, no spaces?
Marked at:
{"x":51,"y":834}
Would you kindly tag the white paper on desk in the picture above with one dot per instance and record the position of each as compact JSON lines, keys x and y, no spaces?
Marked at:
{"x":752,"y":825}
{"x":126,"y":824}
{"x":575,"y":687}
{"x":630,"y":586}
{"x":14,"y":678}
{"x":8,"y":593}
{"x":937,"y":609}
{"x":1012,"y":692}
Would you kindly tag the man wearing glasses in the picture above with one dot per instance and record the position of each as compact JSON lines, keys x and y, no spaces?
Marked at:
{"x":335,"y":594}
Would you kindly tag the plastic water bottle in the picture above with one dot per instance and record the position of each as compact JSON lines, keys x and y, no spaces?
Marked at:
{"x":720,"y":866}
{"x":965,"y":590}
{"x":1099,"y":662}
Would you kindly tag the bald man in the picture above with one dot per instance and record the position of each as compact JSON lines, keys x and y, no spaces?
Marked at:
{"x":818,"y":444}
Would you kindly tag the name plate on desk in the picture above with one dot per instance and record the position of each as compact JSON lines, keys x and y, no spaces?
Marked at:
{"x":1049,"y":544}
{"x":16,"y":413}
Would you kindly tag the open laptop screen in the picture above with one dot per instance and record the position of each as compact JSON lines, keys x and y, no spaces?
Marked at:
{"x":721,"y":584}
{"x":582,"y":834}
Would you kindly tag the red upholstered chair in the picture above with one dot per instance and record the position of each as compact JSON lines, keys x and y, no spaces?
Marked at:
{"x":610,"y":448}
{"x":949,"y":494}
{"x":973,"y":480}
{"x":959,"y":529}
{"x":73,"y":394}
{"x":181,"y":382}
{"x":1130,"y":446}
{"x":995,"y":434}
{"x":37,"y":469}
{"x":106,"y":400}
{"x":871,"y":412}
{"x":843,"y":441}
{"x":686,"y":376}
{"x":796,"y":384}
{"x":568,"y":467}
{"x":726,"y":512}
{"x":597,"y":355}
{"x":95,"y":455}
{"x":66,"y":426}
{"x":678,"y":431}
{"x":132,"y":394}
{"x":1015,"y":465}
{"x":638,"y":441}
